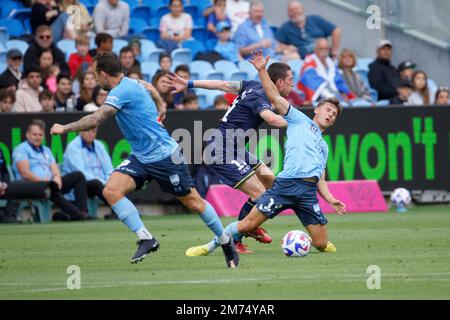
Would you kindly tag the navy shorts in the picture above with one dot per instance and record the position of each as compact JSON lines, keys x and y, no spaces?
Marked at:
{"x":171,"y":173}
{"x":296,"y":194}
{"x":233,"y":166}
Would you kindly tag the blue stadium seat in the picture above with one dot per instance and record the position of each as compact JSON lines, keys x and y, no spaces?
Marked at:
{"x":119,"y":44}
{"x":274,"y":29}
{"x":23,"y":15}
{"x":202,"y":4}
{"x":200,"y":33}
{"x":88,"y":2}
{"x":149,"y":69}
{"x":249,"y":68}
{"x":90,"y":9}
{"x":207,"y":97}
{"x":193,"y":10}
{"x":239,"y":76}
{"x":364,"y":75}
{"x":195,"y":46}
{"x":153,"y":55}
{"x":363,"y":63}
{"x":161,"y":11}
{"x":15,"y":27}
{"x":137,"y":25}
{"x":3,"y":57}
{"x":211,"y":44}
{"x":432,"y":86}
{"x":182,"y":56}
{"x":151,"y":33}
{"x":155,"y":3}
{"x":17,"y":44}
{"x":226,"y":67}
{"x":146,"y":46}
{"x":296,"y":67}
{"x":200,"y":68}
{"x":132,"y":3}
{"x":143,"y":12}
{"x":4,"y":37}
{"x":8,"y":6}
{"x":155,"y":22}
{"x":200,"y":22}
{"x":383,"y":103}
{"x":215,"y":75}
{"x":67,"y":46}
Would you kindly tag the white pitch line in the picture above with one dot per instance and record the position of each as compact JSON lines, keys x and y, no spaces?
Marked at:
{"x":334,"y":278}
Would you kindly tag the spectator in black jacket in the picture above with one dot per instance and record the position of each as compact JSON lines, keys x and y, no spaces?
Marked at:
{"x":43,"y":12}
{"x":44,"y":40}
{"x":7,"y":213}
{"x":12,"y":74}
{"x":383,"y":76}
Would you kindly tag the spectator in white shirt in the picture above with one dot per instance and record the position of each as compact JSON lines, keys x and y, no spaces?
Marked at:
{"x":175,"y":26}
{"x":238,"y":12}
{"x":112,"y":17}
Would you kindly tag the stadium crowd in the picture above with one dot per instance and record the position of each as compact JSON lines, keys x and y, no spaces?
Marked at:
{"x":47,"y":61}
{"x":45,"y":66}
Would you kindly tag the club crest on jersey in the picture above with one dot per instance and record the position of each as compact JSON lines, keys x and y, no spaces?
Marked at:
{"x":316,"y":208}
{"x":175,"y":180}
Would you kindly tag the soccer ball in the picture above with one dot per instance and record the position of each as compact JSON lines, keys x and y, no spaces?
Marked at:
{"x":296,"y":243}
{"x":401,"y":198}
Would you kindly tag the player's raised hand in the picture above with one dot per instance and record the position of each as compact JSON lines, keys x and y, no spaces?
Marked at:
{"x":339,"y":206}
{"x":174,"y":81}
{"x":258,"y":60}
{"x":57,"y":129}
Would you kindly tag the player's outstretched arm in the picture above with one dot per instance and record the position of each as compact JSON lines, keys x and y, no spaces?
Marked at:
{"x":325,"y":193}
{"x":91,"y":121}
{"x":280,"y":104}
{"x":179,"y":84}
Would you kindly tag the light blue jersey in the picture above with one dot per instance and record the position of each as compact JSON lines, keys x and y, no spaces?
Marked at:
{"x":137,"y":119}
{"x":39,"y":159}
{"x":306,"y":152}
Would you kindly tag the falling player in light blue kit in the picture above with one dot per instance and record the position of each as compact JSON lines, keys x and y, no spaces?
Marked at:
{"x":155,"y":155}
{"x":303,"y":172}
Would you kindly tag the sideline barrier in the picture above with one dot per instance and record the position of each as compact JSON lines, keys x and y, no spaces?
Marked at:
{"x":359,"y":196}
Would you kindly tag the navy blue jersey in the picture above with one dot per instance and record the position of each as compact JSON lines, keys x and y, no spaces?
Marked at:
{"x":244,"y":112}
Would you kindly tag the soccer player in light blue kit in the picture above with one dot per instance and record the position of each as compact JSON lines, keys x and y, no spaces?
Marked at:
{"x":303,"y":172}
{"x":155,"y":155}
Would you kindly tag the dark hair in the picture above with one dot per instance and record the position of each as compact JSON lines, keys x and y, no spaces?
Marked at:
{"x":425,"y":92}
{"x":438,"y":92}
{"x":31,"y":69}
{"x":220,"y":99}
{"x":102,"y":37}
{"x":125,"y":50}
{"x":172,"y":1}
{"x":63,"y":76}
{"x":95,"y":93}
{"x":277,"y":71}
{"x":5,"y":93}
{"x":38,"y":123}
{"x":164,"y":55}
{"x":183,"y":68}
{"x":158,"y":75}
{"x":44,"y":51}
{"x":189,"y":97}
{"x":108,"y":63}
{"x":135,"y":69}
{"x":334,"y":101}
{"x":45,"y":94}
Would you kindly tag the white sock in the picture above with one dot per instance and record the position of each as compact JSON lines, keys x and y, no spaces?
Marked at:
{"x":144,"y":234}
{"x":224,"y":238}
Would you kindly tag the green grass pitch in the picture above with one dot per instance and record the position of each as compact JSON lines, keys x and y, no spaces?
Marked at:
{"x":411,"y":249}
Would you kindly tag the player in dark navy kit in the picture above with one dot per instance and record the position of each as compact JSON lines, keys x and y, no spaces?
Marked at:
{"x":225,"y":152}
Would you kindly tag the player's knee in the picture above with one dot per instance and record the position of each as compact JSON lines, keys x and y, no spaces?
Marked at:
{"x":111,"y":193}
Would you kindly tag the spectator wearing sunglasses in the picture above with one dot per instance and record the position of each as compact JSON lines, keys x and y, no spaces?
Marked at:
{"x":442,"y":96}
{"x":12,"y":74}
{"x":44,"y":40}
